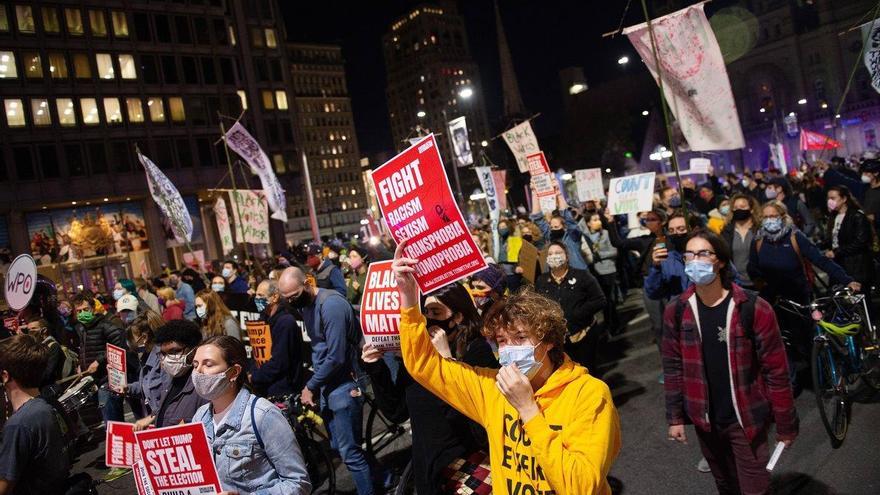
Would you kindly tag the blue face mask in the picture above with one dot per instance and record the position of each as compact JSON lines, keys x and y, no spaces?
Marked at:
{"x":227,"y":272}
{"x":724,"y":210}
{"x":118,"y":293}
{"x":675,"y":201}
{"x":772,"y":225}
{"x":261,"y":303}
{"x":503,"y":232}
{"x":700,"y":272}
{"x":770,"y":193}
{"x":217,"y":287}
{"x":523,"y":356}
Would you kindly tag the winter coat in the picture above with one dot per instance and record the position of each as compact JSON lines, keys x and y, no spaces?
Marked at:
{"x":854,"y":242}
{"x":604,"y":254}
{"x":579,"y":294}
{"x":571,"y":238}
{"x":93,"y":338}
{"x":173,"y":311}
{"x":668,"y":279}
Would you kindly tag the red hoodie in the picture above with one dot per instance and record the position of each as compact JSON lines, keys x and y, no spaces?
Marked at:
{"x":173,"y":311}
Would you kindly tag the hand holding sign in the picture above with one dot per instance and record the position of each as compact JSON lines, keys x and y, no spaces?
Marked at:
{"x":404,"y":268}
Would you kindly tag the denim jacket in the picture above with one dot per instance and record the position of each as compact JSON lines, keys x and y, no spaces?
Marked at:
{"x":152,"y":382}
{"x":242,"y":463}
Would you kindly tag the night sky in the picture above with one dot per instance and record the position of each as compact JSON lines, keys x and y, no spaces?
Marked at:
{"x":544,"y":37}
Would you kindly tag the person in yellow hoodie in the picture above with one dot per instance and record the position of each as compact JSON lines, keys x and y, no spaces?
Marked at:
{"x":552,"y":428}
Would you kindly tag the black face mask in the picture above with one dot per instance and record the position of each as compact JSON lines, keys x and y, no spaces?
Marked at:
{"x":304,"y":299}
{"x":556,"y":235}
{"x":678,"y":241}
{"x":739,"y":215}
{"x":527,"y":237}
{"x":442,"y":324}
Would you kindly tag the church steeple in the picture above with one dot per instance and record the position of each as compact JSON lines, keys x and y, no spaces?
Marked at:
{"x":513,"y":104}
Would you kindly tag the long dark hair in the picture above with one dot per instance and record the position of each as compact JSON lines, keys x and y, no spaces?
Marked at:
{"x":233,"y":353}
{"x":844,"y":192}
{"x":459,"y":301}
{"x":722,"y":254}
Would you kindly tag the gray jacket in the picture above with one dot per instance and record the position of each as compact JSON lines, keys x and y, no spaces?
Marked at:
{"x":181,"y":406}
{"x":604,"y":254}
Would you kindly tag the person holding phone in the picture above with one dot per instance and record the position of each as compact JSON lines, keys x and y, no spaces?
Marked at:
{"x":666,"y":277}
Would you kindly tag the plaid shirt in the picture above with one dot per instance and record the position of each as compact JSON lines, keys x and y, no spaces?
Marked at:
{"x":757,"y":363}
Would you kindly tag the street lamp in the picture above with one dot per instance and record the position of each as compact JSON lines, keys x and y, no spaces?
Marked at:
{"x":484,"y":143}
{"x":802,"y":101}
{"x":645,"y":113}
{"x":466,"y":93}
{"x":420,"y":114}
{"x":577,"y":88}
{"x":623,"y":60}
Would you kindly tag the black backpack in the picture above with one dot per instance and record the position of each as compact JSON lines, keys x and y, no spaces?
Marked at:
{"x":746,"y":312}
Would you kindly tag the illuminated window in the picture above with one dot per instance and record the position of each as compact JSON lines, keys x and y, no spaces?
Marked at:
{"x":14,"y":113}
{"x":126,"y":67}
{"x":257,"y":37}
{"x":112,"y":110}
{"x":89,"y":107}
{"x":57,"y":66}
{"x":279,"y":164}
{"x":98,"y":23}
{"x":135,"y":109}
{"x":81,"y":67}
{"x":175,"y":105}
{"x":243,"y":97}
{"x":4,"y":19}
{"x":281,"y":98}
{"x":271,"y":42}
{"x":24,"y":18}
{"x":33,"y":67}
{"x":7,"y":66}
{"x":157,"y":109}
{"x":105,"y":65}
{"x":66,"y":114}
{"x":50,"y":20}
{"x":40,"y":112}
{"x":73,"y":19}
{"x":268,"y":100}
{"x":120,"y":24}
{"x":231,"y":36}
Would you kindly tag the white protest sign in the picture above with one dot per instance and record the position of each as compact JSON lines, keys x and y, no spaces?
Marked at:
{"x":522,"y":143}
{"x":589,"y":184}
{"x":546,"y":191}
{"x":631,"y":194}
{"x":21,"y":280}
{"x":251,"y":213}
{"x":116,"y":368}
{"x":223,"y":226}
{"x":380,"y":307}
{"x":700,"y":165}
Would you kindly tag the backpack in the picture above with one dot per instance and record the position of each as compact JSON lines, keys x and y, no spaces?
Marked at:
{"x":355,"y":336}
{"x":809,"y":273}
{"x":746,"y":312}
{"x":70,"y":359}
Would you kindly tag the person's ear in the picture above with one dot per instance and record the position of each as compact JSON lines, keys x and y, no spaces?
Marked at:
{"x":234,"y":377}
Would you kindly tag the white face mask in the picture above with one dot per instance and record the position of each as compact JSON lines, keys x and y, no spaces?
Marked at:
{"x":210,"y":386}
{"x":176,"y":364}
{"x":555,"y":260}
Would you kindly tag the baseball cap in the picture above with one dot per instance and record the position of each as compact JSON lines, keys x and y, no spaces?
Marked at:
{"x":128,"y":302}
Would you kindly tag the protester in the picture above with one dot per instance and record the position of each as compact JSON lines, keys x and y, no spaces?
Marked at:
{"x":562,"y":228}
{"x":605,"y":268}
{"x":706,"y":200}
{"x":282,"y":373}
{"x":488,"y":286}
{"x":851,"y":239}
{"x":34,"y":457}
{"x":742,"y":224}
{"x":576,"y":455}
{"x":151,"y":381}
{"x":666,"y":277}
{"x":729,"y":379}
{"x":95,"y":331}
{"x":333,"y":329}
{"x":356,"y":278}
{"x":127,"y":308}
{"x":234,"y":283}
{"x":871,"y":177}
{"x":177,"y":341}
{"x":146,"y":293}
{"x":580,"y":296}
{"x":780,"y":190}
{"x":234,"y":417}
{"x":54,"y":370}
{"x":183,"y":292}
{"x":718,"y":216}
{"x":327,"y":274}
{"x":173,"y":309}
{"x":214,"y":317}
{"x":218,"y":284}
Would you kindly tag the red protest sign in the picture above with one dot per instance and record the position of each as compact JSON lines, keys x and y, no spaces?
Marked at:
{"x":418,"y":206}
{"x":120,"y":447}
{"x":141,"y":478}
{"x":538,"y":164}
{"x":178,"y":460}
{"x":380,"y":307}
{"x":116,"y":368}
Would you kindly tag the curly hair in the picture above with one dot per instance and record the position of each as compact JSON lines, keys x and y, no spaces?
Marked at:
{"x":538,"y":316}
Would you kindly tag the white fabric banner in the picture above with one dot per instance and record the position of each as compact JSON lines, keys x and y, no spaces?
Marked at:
{"x":240,"y":141}
{"x":223,"y":225}
{"x":488,"y":183}
{"x":251,"y":216}
{"x":461,"y":143}
{"x":522,"y":143}
{"x":695,"y":81}
{"x":168,"y":199}
{"x":871,"y":39}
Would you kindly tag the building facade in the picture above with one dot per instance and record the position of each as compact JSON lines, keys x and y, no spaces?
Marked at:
{"x":432,"y":79}
{"x":84,"y":82}
{"x":325,"y":130}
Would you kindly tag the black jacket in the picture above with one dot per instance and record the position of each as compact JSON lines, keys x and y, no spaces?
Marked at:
{"x":103,"y":330}
{"x":283,"y":373}
{"x":579,"y":294}
{"x":854,"y":242}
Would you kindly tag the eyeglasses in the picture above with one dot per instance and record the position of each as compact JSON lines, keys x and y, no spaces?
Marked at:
{"x":703,"y":254}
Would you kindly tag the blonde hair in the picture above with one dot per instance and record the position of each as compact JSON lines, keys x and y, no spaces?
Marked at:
{"x":167,"y":293}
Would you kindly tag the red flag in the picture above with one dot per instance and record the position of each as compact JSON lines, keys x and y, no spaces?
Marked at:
{"x":815,"y":141}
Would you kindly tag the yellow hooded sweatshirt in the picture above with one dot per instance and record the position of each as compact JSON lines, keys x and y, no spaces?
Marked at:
{"x":567,"y":449}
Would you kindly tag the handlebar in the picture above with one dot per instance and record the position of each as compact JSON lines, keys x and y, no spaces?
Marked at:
{"x":840,"y":293}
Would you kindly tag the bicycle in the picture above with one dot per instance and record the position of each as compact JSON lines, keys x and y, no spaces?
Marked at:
{"x":381,"y":432}
{"x":845,"y":349}
{"x":307,"y":426}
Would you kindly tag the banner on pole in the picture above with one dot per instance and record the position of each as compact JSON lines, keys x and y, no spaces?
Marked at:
{"x":251,"y":216}
{"x":240,"y":141}
{"x":223,"y":226}
{"x":380,"y":307}
{"x":178,"y":460}
{"x":260,"y":339}
{"x":120,"y":448}
{"x":545,"y":188}
{"x":871,"y":40}
{"x":169,"y":200}
{"x":589,"y":184}
{"x":413,"y":193}
{"x":631,"y":194}
{"x":538,"y":164}
{"x":522,"y":143}
{"x":695,"y":81}
{"x":484,"y":174}
{"x":116,"y":369}
{"x":811,"y":141}
{"x":461,"y":143}
{"x":499,"y":178}
{"x":700,"y":165}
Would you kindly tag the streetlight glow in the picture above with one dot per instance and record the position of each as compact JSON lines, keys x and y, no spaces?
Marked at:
{"x":484,"y":143}
{"x":762,"y":110}
{"x":466,"y":93}
{"x":645,"y":113}
{"x":623,"y":60}
{"x":421,"y":113}
{"x":802,"y":101}
{"x":577,"y":88}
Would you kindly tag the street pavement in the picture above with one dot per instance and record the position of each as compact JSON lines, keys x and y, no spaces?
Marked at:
{"x":649,"y":463}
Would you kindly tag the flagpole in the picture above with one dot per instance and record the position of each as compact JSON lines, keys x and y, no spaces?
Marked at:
{"x":247,"y":184}
{"x":234,"y":189}
{"x":665,"y":109}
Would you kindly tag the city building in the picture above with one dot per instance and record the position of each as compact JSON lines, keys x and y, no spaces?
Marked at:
{"x":325,"y":131}
{"x":84,"y":82}
{"x":431,"y":80}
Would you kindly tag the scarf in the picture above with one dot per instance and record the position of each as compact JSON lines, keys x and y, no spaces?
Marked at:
{"x":784,"y":232}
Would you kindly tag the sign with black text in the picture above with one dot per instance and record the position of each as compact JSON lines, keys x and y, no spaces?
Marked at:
{"x":380,"y":307}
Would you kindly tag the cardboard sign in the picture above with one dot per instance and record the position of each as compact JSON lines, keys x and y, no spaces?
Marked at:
{"x":380,"y":307}
{"x":178,"y":460}
{"x":141,"y":478}
{"x":20,"y":282}
{"x":522,"y":143}
{"x":589,"y":184}
{"x":260,"y":339}
{"x":545,"y":188}
{"x":538,"y":164}
{"x":418,"y":206}
{"x":528,"y":260}
{"x":700,"y":165}
{"x":120,"y":447}
{"x":631,"y":194}
{"x":116,"y":368}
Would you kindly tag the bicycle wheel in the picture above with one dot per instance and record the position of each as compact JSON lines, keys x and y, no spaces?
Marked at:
{"x":829,"y":387}
{"x":319,"y":465}
{"x":381,"y":433}
{"x":406,"y":484}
